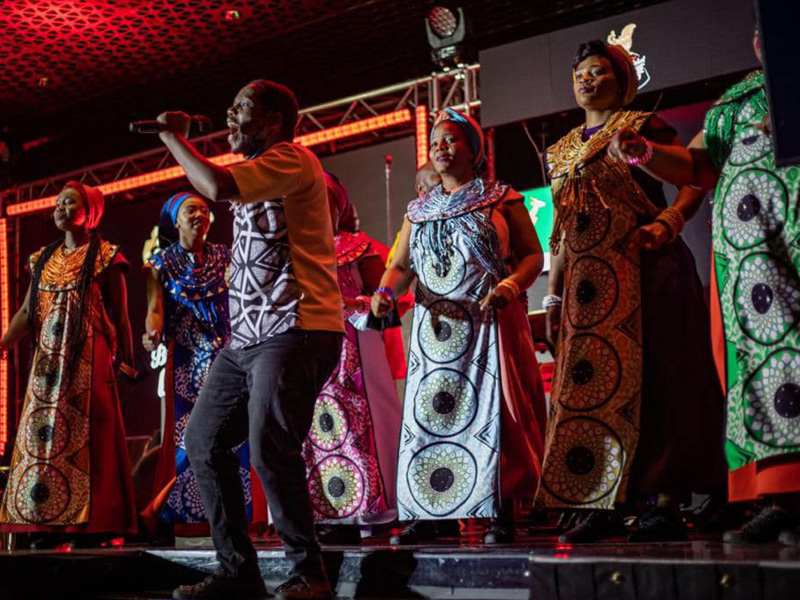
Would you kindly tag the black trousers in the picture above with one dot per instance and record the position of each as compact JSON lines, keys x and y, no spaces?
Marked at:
{"x":265,"y":392}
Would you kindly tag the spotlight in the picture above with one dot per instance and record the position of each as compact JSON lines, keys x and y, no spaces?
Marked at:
{"x":443,"y":22}
{"x":446,"y":31}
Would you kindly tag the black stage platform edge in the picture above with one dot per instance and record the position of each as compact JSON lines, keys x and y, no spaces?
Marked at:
{"x":90,"y":574}
{"x":535,"y":568}
{"x":383,"y":572}
{"x":678,"y":571}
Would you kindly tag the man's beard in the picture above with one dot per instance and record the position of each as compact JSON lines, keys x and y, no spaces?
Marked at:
{"x":250,"y":146}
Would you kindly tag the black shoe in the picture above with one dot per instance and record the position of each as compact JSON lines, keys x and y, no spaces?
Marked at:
{"x":597,"y":525}
{"x":418,"y":531}
{"x":765,"y":527}
{"x":659,"y":526}
{"x":339,"y":535}
{"x":302,"y":588}
{"x":499,"y":532}
{"x":217,"y":587}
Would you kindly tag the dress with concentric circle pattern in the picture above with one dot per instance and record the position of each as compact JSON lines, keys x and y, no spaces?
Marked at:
{"x":352,"y":445}
{"x":70,"y":418}
{"x":756,"y":262}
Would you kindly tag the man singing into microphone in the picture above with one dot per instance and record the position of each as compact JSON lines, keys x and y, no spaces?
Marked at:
{"x":286,"y":321}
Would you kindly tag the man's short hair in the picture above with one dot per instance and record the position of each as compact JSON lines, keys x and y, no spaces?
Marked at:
{"x":277,"y":97}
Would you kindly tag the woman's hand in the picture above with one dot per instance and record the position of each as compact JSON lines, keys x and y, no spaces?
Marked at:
{"x":498,"y":298}
{"x":381,"y":304}
{"x":649,"y":237}
{"x":552,"y":325}
{"x":359,"y":304}
{"x":765,"y":125}
{"x":627,"y":144}
{"x":151,"y":339}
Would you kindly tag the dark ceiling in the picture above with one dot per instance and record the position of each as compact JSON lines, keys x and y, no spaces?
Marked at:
{"x":74,"y":73}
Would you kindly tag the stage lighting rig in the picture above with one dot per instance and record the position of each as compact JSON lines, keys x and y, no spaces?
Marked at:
{"x":446,"y":29}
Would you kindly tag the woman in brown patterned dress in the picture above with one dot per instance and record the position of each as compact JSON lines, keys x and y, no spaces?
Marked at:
{"x":636,"y":410}
{"x":70,"y":473}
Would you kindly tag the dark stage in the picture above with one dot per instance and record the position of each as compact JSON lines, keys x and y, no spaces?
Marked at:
{"x":535,"y":567}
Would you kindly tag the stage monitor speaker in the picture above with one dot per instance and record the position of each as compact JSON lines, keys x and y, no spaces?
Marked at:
{"x":780,"y":50}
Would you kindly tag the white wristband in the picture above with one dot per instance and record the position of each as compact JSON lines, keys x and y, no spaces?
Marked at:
{"x":550,"y":301}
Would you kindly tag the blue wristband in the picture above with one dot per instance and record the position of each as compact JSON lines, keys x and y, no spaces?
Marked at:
{"x":386,"y":290}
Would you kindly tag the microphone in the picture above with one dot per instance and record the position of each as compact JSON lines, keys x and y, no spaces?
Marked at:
{"x":387,"y":161}
{"x":202,"y":122}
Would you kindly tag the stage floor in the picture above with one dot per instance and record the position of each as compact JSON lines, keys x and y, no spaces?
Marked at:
{"x":534,"y":567}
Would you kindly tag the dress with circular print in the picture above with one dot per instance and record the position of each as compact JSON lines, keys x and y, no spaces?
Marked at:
{"x":597,"y":380}
{"x":351,"y":449}
{"x":70,"y":418}
{"x":449,"y":456}
{"x":756,"y":261}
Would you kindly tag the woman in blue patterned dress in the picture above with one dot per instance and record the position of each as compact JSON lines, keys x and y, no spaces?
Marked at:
{"x":187,"y":308}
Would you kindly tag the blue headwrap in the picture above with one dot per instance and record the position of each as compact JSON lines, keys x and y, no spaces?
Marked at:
{"x":169,"y":215}
{"x":470,"y":128}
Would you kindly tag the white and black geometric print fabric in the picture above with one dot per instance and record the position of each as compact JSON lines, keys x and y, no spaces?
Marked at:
{"x":448,"y":461}
{"x":263,"y":290}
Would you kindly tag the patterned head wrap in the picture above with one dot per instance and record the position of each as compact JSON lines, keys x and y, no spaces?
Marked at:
{"x":470,"y":128}
{"x":625,"y":71}
{"x":339,"y":198}
{"x":94,"y":199}
{"x":169,"y":216}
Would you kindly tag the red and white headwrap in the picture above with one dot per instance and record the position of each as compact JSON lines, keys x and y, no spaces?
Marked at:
{"x":94,"y":199}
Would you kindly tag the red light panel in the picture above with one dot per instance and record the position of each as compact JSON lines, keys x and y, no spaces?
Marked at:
{"x":310,"y":139}
{"x":421,"y":122}
{"x":355,"y":128}
{"x":5,"y":319}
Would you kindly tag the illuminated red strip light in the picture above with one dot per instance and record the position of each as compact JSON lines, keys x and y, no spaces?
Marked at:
{"x":421,"y":122}
{"x":310,"y":139}
{"x":5,"y":319}
{"x":15,"y":210}
{"x":397,"y":117}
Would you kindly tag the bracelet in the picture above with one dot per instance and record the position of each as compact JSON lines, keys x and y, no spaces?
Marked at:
{"x":551,"y":301}
{"x":673,"y":220}
{"x":645,"y":158}
{"x":668,"y":227}
{"x":386,"y":291}
{"x":511,"y":285}
{"x":127,"y":370}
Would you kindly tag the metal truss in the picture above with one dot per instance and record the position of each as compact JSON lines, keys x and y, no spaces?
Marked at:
{"x":457,"y":88}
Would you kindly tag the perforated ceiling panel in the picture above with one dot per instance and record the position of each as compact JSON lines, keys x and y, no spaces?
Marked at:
{"x":83,"y":48}
{"x":75,"y":72}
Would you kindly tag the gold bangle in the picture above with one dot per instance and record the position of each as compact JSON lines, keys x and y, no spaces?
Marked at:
{"x":673,"y":219}
{"x":676,"y":215}
{"x":511,"y":285}
{"x":669,"y":227}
